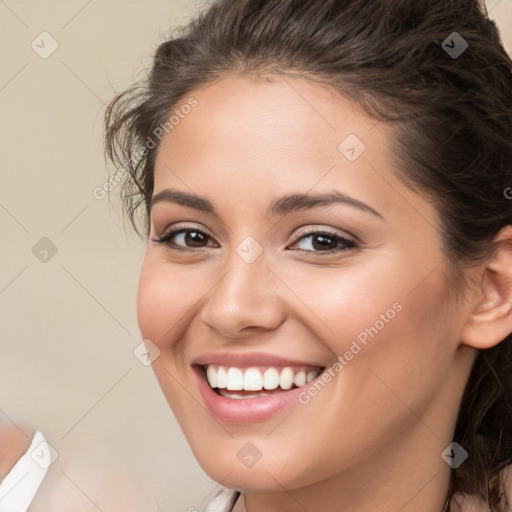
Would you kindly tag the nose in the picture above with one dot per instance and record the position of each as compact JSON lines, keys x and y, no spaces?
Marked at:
{"x":247,"y":297}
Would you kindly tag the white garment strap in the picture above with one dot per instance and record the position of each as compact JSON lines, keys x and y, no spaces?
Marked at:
{"x":223,"y":501}
{"x":19,"y":487}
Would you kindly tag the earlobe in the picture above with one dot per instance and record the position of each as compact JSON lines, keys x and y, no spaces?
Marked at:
{"x":490,"y":320}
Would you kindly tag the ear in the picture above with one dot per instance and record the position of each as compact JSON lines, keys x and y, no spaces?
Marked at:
{"x":490,"y":320}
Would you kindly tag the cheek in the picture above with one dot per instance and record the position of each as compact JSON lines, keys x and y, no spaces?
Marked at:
{"x":386,"y":319}
{"x":153,"y":300}
{"x":163,"y":298}
{"x":393,"y":297}
{"x":341,"y":302}
{"x":162,"y":302}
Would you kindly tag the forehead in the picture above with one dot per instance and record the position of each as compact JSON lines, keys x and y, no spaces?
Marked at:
{"x":269,"y":123}
{"x":279,"y":135}
{"x":277,"y":112}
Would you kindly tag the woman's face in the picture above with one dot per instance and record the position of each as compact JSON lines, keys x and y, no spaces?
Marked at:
{"x":256,"y":282}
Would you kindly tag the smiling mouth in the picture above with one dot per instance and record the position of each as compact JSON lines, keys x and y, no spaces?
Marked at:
{"x":257,"y":381}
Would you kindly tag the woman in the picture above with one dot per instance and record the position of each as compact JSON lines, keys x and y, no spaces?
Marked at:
{"x":327,"y":287}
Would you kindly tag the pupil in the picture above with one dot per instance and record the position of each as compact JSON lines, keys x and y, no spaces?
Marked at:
{"x":324,"y":245}
{"x":194,"y":238}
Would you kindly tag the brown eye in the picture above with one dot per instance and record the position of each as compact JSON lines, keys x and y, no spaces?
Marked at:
{"x":324,"y":241}
{"x":188,"y":238}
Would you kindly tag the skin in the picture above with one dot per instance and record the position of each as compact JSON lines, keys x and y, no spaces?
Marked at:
{"x":14,"y":442}
{"x":372,"y":439}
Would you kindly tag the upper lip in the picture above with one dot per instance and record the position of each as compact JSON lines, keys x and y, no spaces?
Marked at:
{"x":248,"y":359}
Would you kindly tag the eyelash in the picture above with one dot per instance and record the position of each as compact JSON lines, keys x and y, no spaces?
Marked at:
{"x":350,"y":245}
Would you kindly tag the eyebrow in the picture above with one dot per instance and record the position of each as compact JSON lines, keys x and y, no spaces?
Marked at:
{"x":279,"y":206}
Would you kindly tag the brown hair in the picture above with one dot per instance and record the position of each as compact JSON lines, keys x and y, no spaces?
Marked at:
{"x":452,"y":119}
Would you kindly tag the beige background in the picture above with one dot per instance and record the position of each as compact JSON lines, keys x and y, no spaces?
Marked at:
{"x":69,"y":325}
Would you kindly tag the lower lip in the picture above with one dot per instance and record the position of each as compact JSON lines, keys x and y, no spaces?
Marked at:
{"x":248,"y":410}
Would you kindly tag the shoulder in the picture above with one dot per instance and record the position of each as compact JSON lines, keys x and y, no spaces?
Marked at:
{"x":25,"y":462}
{"x":14,"y":443}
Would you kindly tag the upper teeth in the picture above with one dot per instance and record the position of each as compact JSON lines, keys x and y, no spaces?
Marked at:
{"x":254,"y":379}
